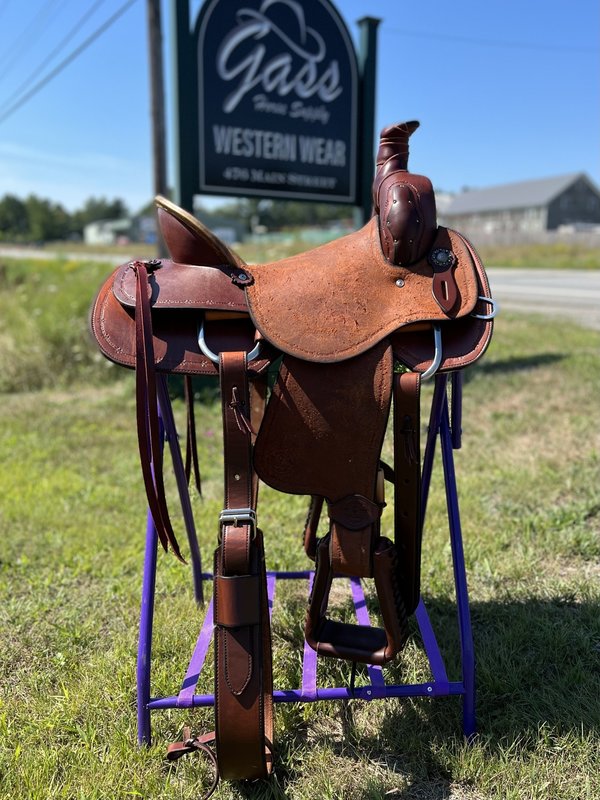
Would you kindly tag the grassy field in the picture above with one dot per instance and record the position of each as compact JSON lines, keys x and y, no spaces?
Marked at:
{"x":72,"y":523}
{"x":568,"y":254}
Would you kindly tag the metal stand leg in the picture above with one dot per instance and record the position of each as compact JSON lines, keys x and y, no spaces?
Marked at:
{"x":439,"y":424}
{"x":145,"y":641}
{"x":450,"y":439}
{"x":460,"y":578}
{"x":144,"y":658}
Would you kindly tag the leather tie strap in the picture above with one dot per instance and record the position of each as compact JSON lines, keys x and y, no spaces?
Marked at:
{"x":148,"y":427}
{"x":196,"y":744}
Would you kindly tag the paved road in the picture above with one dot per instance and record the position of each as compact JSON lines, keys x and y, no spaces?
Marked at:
{"x":39,"y":254}
{"x":572,"y":294}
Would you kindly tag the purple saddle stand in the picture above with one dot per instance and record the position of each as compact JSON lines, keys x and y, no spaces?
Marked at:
{"x":448,"y":432}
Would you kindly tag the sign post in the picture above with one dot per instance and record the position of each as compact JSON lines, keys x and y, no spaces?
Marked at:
{"x":367,"y":60}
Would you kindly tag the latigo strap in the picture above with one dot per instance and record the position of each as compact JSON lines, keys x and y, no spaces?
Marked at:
{"x":148,"y":428}
{"x":243,"y":672}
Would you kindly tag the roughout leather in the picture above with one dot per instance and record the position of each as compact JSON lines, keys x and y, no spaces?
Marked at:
{"x":341,"y":315}
{"x":339,"y":300}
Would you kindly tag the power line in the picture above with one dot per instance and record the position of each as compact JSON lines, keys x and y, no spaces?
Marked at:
{"x":64,"y":41}
{"x":27,"y":38}
{"x":65,"y":62}
{"x":490,"y":42}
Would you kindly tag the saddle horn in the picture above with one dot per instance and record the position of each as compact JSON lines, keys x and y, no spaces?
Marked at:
{"x":404,"y":202}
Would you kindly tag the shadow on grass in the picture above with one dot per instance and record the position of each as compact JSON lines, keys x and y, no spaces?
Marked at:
{"x":538,"y":668}
{"x":516,"y":364}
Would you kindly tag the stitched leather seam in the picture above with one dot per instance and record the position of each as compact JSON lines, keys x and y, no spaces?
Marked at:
{"x":236,"y":692}
{"x":208,"y":303}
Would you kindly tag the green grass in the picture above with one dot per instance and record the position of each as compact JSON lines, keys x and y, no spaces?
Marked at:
{"x":555,"y":255}
{"x":44,"y":310}
{"x":72,"y":520}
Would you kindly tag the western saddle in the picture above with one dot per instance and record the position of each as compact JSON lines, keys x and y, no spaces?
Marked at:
{"x":355,"y":326}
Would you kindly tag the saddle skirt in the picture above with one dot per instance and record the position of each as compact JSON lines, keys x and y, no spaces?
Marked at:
{"x":325,"y":306}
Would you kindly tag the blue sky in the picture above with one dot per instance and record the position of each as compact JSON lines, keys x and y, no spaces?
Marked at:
{"x":505,"y":90}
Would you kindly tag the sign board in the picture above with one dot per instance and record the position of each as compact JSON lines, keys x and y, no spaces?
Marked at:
{"x":277,"y":89}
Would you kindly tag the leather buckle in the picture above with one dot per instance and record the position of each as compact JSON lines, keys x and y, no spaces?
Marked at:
{"x":237,"y":517}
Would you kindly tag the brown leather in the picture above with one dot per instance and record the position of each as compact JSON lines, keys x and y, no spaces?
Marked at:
{"x":407,"y":217}
{"x":392,"y":155}
{"x":243,"y":672}
{"x":341,"y":299}
{"x":177,"y":285}
{"x":243,"y":683}
{"x":148,"y":427}
{"x":311,"y":525}
{"x":407,"y":485}
{"x":464,"y":340}
{"x":403,"y":202}
{"x":318,"y":418}
{"x":364,"y":644}
{"x":196,"y":744}
{"x":174,"y":332}
{"x":188,"y":240}
{"x":340,"y":314}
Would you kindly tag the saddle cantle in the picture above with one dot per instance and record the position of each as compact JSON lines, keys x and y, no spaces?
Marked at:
{"x":352,"y":327}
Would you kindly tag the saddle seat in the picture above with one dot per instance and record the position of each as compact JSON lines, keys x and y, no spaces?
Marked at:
{"x":339,"y":300}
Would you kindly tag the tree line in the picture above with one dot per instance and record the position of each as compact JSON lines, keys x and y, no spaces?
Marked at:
{"x":37,"y":219}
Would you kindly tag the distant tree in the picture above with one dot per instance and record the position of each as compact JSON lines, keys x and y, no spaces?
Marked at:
{"x":46,"y":221}
{"x":278,"y":214}
{"x":13,"y":218}
{"x":95,"y":209}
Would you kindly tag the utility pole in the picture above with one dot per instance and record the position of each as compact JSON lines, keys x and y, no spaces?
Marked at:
{"x":157,"y":99}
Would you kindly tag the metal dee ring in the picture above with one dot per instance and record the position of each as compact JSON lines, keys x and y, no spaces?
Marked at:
{"x":437,"y":357}
{"x":214,"y":357}
{"x":492,"y":303}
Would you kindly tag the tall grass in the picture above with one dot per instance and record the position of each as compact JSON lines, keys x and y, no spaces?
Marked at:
{"x":44,"y":336}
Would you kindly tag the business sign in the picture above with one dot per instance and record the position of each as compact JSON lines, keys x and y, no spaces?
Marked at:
{"x":277,"y":84}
